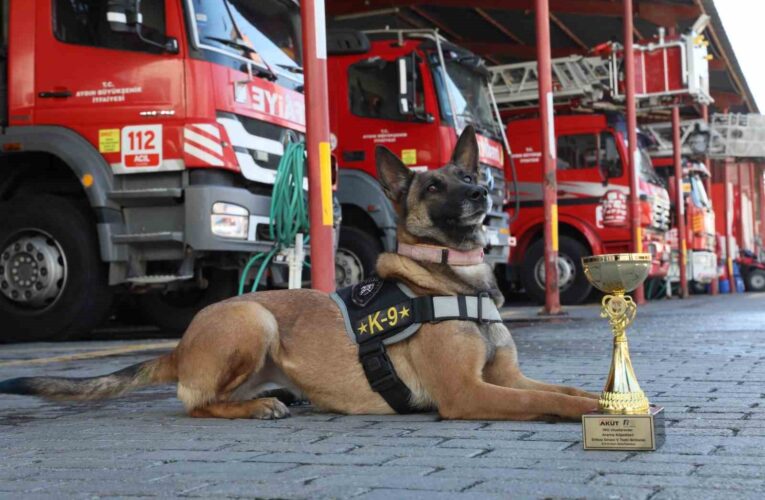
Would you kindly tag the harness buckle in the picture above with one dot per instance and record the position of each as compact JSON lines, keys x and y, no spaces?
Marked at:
{"x":481,"y":296}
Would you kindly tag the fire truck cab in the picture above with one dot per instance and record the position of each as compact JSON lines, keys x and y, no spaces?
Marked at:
{"x":138,"y":153}
{"x":413,"y":92}
{"x":593,"y":179}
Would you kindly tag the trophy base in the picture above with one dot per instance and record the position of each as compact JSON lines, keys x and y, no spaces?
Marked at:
{"x":642,"y":432}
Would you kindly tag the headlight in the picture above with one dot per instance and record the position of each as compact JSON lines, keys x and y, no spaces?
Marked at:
{"x":230,"y":221}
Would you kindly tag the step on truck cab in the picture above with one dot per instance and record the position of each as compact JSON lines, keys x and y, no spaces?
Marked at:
{"x":138,"y":151}
{"x":413,"y":92}
{"x":593,"y":177}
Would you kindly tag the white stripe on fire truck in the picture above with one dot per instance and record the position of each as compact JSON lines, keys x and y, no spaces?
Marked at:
{"x":206,"y":157}
{"x":209,"y":128}
{"x":202,"y":141}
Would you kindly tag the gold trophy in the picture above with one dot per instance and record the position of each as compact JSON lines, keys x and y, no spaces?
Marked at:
{"x":625,"y":419}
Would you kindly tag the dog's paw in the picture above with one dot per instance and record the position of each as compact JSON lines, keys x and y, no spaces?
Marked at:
{"x":270,"y":409}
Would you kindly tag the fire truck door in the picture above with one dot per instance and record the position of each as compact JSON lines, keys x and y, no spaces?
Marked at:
{"x":123,"y":95}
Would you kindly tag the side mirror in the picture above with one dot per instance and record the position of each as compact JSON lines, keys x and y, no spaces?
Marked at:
{"x":609,"y":161}
{"x":406,"y":93}
{"x":123,"y":15}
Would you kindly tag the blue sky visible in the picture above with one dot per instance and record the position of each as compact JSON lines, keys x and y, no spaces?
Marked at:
{"x":744,"y":22}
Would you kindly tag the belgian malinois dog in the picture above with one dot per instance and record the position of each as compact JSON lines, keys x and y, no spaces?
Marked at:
{"x":296,"y":338}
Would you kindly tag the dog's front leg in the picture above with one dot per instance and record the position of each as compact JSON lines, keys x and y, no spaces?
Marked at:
{"x":503,"y":370}
{"x":449,"y":359}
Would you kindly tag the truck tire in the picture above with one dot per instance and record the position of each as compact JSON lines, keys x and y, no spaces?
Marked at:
{"x":356,"y":256}
{"x":574,"y":287}
{"x":53,"y":283}
{"x":173,"y":311}
{"x":755,"y":280}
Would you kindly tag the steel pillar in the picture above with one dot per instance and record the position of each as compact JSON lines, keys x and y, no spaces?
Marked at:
{"x":549,"y":182}
{"x":714,"y":287}
{"x":629,"y":76}
{"x":682,"y":234}
{"x":317,"y":144}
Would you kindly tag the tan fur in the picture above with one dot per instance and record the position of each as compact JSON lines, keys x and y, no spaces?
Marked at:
{"x":235,"y":349}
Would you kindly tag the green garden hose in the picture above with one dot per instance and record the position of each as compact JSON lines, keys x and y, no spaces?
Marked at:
{"x":288,"y":214}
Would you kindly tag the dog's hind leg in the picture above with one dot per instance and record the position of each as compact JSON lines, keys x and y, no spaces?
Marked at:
{"x":225,"y":346}
{"x":504,"y":370}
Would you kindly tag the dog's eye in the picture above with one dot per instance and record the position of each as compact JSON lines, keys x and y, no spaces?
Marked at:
{"x":433,"y":188}
{"x":468,"y":179}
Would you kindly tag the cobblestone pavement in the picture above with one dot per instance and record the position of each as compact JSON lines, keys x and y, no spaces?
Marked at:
{"x":703,"y":359}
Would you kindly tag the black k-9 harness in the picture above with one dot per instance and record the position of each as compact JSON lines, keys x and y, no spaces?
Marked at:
{"x":379,"y":312}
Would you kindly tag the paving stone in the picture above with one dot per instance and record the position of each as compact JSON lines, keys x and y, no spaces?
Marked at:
{"x":708,"y":374}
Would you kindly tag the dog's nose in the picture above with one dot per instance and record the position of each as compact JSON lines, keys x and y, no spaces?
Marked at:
{"x":478,"y":193}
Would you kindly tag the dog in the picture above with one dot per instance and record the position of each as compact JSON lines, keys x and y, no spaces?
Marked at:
{"x":235,"y":349}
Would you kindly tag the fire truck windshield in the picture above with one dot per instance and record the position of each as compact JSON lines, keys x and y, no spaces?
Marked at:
{"x":646,"y":169}
{"x":469,"y":94}
{"x":699,"y":193}
{"x":266,"y":32}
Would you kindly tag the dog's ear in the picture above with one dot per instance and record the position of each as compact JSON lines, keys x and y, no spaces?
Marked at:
{"x":466,"y":151}
{"x":394,"y":176}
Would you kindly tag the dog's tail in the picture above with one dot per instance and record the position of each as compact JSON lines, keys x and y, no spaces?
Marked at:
{"x":155,"y":371}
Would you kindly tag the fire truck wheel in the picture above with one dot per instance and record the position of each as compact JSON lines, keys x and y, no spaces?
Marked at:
{"x":573,"y":285}
{"x":356,"y":256}
{"x":173,"y":310}
{"x":755,"y":280}
{"x":52,"y":281}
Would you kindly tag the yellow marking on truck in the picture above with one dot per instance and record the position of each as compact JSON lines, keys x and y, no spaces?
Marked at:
{"x":109,"y":140}
{"x":554,"y":223}
{"x":639,"y":231}
{"x":325,"y":166}
{"x":125,"y":349}
{"x":87,"y":180}
{"x":409,"y":156}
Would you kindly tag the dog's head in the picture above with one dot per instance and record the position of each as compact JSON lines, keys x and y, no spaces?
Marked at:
{"x":442,"y":207}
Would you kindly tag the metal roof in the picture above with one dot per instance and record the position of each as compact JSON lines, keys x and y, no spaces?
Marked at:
{"x":503,"y":31}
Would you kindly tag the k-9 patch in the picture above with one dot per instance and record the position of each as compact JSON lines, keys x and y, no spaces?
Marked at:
{"x":377,"y":309}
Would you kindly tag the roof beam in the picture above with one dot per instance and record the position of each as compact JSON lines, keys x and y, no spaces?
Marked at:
{"x":453,"y":35}
{"x":512,"y":36}
{"x":568,"y":32}
{"x":524,"y":52}
{"x":659,"y":13}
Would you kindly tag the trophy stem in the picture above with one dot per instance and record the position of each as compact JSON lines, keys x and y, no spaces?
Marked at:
{"x":622,"y":393}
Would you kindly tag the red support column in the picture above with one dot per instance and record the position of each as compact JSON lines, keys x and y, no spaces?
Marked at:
{"x":714,"y":287}
{"x":549,"y":182}
{"x":682,"y":235}
{"x":760,"y":183}
{"x":629,"y":76}
{"x":317,"y":144}
{"x":729,"y":227}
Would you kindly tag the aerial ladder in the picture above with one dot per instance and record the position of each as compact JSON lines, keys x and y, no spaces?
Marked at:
{"x":669,"y":71}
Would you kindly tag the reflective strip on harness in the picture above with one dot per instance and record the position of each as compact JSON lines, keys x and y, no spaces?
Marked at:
{"x":377,"y":313}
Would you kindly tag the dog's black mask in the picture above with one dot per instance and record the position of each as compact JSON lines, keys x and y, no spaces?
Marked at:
{"x":445,"y":206}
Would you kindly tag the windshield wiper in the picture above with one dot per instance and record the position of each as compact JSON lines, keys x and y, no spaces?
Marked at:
{"x":264,"y":71}
{"x":291,"y":69}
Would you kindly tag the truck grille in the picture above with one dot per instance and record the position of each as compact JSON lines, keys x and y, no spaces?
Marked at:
{"x":254,"y":131}
{"x":660,"y":213}
{"x":494,"y":180}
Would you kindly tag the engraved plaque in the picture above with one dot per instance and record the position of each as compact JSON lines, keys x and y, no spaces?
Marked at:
{"x":623,"y":432}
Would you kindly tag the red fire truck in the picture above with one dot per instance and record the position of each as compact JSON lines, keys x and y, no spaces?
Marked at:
{"x":593,"y":178}
{"x":138,"y":150}
{"x":699,"y":223}
{"x":412,"y":91}
{"x":593,"y":173}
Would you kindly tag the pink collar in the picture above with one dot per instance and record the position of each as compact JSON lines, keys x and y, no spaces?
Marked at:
{"x":442,"y":255}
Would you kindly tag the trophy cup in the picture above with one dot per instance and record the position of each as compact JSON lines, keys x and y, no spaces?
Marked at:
{"x":625,"y":420}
